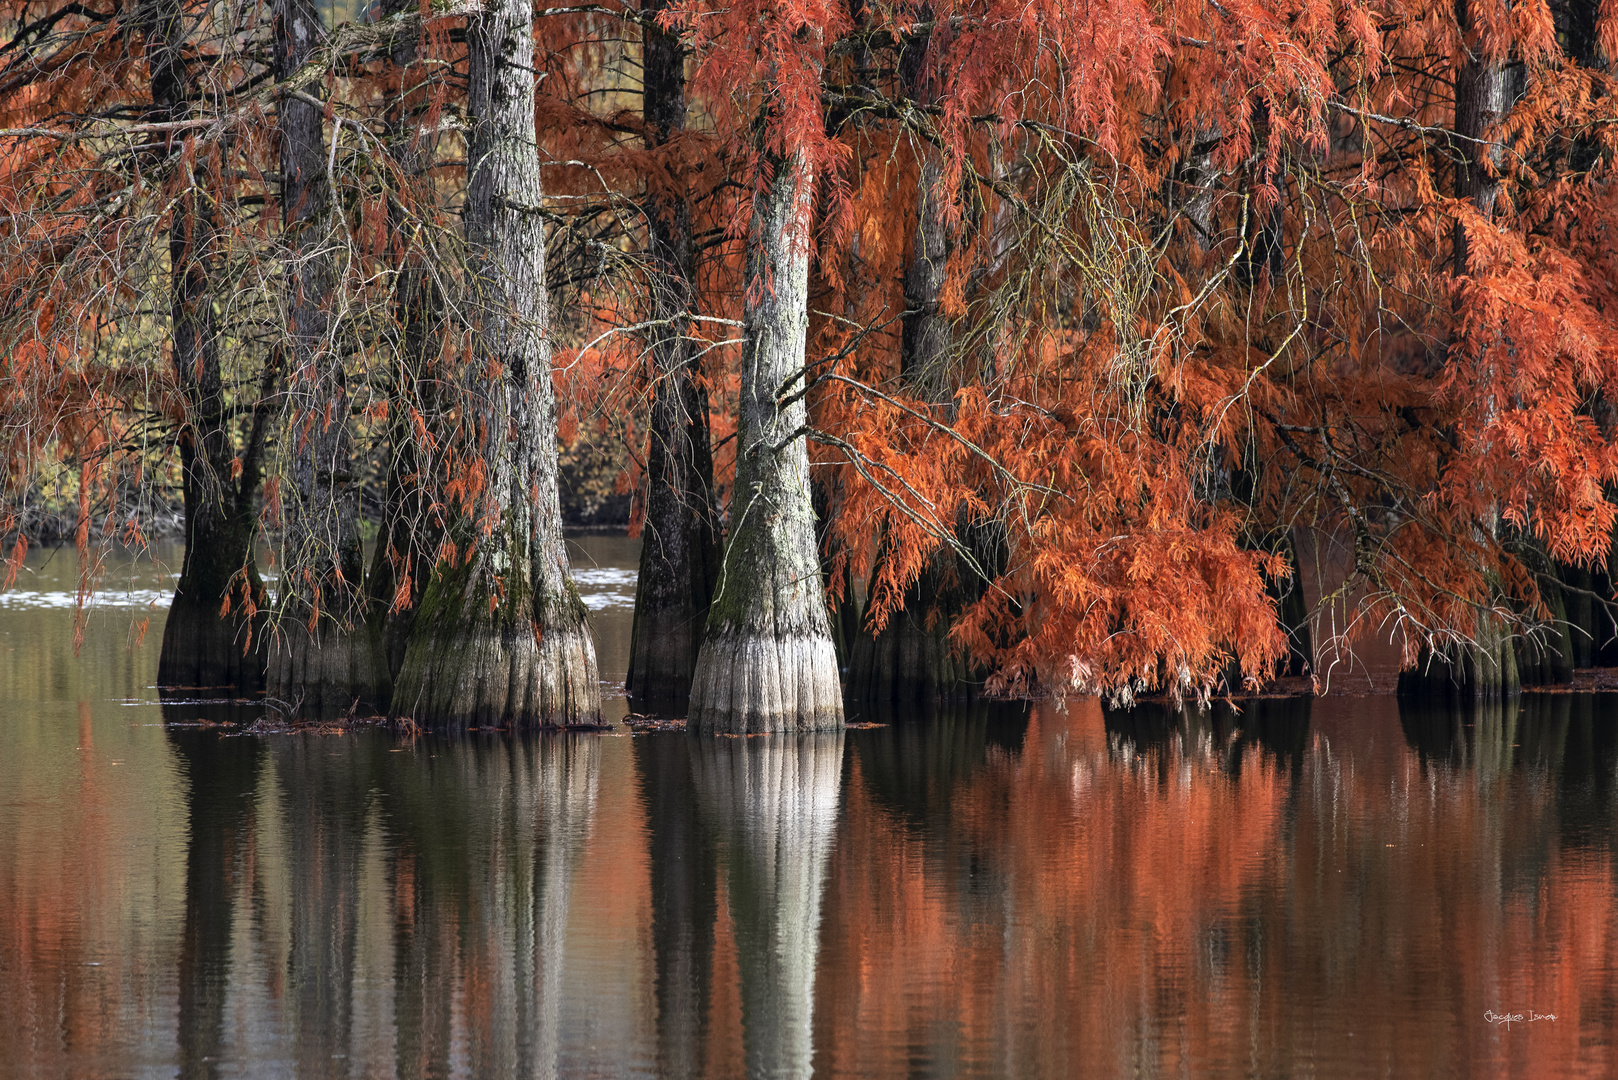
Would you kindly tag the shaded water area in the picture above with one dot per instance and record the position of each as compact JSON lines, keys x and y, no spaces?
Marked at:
{"x":1328,"y":888}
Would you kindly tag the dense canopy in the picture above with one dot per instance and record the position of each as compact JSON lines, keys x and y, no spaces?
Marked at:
{"x":1039,"y":347}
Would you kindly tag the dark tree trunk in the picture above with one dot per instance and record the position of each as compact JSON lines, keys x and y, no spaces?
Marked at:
{"x":679,"y":561}
{"x":910,"y":659}
{"x":407,"y":535}
{"x":324,"y":655}
{"x":1482,"y":97}
{"x":1486,"y":667}
{"x":211,"y":636}
{"x":1292,"y":610}
{"x":768,"y":662}
{"x":501,"y":634}
{"x":1581,"y":613}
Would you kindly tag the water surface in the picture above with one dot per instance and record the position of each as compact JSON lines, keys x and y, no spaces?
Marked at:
{"x":1328,"y":889}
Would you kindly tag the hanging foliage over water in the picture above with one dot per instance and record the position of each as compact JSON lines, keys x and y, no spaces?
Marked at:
{"x":1033,"y":346}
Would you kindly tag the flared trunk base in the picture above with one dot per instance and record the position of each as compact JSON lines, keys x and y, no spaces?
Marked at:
{"x":329,"y":675}
{"x":1485,"y":670}
{"x":908,"y":662}
{"x":203,"y":651}
{"x":746,"y":684}
{"x":492,"y":676}
{"x":664,"y":656}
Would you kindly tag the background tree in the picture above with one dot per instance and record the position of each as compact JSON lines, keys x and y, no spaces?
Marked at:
{"x":679,"y":563}
{"x":325,"y":655}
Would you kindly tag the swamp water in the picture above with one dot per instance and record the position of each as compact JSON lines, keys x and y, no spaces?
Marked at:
{"x":1323,"y":889}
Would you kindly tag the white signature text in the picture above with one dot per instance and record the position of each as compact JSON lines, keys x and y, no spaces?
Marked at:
{"x":1509,"y":1018}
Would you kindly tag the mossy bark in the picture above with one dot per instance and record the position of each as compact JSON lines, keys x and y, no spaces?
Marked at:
{"x":1546,"y":658}
{"x":501,"y":636}
{"x":768,"y":662}
{"x":324,"y":655}
{"x":211,"y":636}
{"x":679,"y":561}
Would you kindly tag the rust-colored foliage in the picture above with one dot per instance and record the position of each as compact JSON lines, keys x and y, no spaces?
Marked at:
{"x":1215,"y":272}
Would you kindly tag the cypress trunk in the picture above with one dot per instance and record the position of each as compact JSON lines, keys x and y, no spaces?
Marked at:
{"x":1486,"y":667}
{"x":211,"y":635}
{"x":407,"y":537}
{"x":1581,"y":613}
{"x":768,"y":662}
{"x":324,"y":657}
{"x":501,"y":635}
{"x":910,"y":659}
{"x":679,"y":560}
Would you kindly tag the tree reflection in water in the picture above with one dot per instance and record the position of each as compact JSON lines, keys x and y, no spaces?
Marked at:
{"x":684,"y":903}
{"x":1292,"y":889}
{"x":770,"y":802}
{"x":221,"y":777}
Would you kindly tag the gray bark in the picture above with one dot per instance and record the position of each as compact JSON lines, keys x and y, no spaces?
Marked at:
{"x":324,"y":656}
{"x":1482,"y":96}
{"x":501,"y":636}
{"x":679,"y":561}
{"x":202,"y":647}
{"x":768,"y":662}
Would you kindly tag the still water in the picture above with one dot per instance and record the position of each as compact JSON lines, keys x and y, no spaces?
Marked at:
{"x":1326,"y":889}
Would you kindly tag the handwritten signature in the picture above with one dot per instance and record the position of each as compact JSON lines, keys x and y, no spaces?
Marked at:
{"x":1510,"y":1018}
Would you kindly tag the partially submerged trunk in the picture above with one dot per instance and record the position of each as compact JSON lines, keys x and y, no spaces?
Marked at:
{"x":324,"y":656}
{"x":910,"y":659}
{"x":679,"y":561}
{"x":211,"y":637}
{"x":1292,"y":611}
{"x":501,"y":635}
{"x":768,"y":662}
{"x":407,"y":535}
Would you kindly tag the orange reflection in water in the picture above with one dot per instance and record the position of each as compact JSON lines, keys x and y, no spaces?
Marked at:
{"x":1199,"y":906}
{"x":1331,"y":892}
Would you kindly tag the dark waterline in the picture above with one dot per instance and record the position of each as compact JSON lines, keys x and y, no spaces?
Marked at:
{"x":1329,"y":888}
